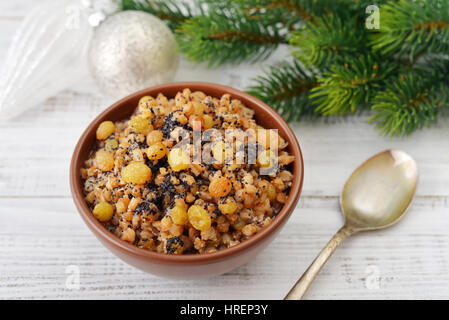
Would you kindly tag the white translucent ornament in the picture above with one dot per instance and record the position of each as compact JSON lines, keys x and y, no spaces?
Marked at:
{"x":48,"y":54}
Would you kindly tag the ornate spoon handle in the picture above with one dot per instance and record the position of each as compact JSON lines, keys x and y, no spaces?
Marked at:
{"x":303,"y":284}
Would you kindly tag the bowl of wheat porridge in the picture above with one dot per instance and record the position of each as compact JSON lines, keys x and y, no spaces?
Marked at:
{"x":187,"y":180}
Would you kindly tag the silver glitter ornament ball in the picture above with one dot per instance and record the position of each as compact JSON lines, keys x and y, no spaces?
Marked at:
{"x":130,"y":51}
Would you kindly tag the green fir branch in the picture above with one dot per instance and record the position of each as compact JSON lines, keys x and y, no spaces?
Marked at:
{"x":398,"y":71}
{"x":174,"y":12}
{"x":286,"y":88}
{"x":222,"y":38}
{"x":411,"y":101}
{"x":413,"y":28}
{"x":361,"y":5}
{"x":328,"y":40}
{"x":277,"y":11}
{"x":349,"y":87}
{"x":290,"y":13}
{"x":304,"y":9}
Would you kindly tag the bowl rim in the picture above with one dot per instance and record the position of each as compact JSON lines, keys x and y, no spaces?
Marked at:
{"x":101,"y":232}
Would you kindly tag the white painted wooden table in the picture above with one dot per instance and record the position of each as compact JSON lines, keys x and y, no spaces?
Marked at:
{"x":41,"y":233}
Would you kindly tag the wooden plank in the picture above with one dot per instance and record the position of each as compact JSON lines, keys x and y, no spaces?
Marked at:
{"x":41,"y":237}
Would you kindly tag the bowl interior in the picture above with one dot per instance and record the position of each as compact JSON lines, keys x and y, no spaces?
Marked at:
{"x":124,"y":108}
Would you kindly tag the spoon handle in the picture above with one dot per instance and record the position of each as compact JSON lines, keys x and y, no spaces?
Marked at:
{"x":303,"y":284}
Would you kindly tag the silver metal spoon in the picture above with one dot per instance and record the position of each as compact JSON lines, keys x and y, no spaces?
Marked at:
{"x":375,"y":196}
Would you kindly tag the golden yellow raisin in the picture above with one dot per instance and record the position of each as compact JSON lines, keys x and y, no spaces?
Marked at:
{"x":103,"y":211}
{"x":271,"y":192}
{"x":154,"y":137}
{"x":111,"y":145}
{"x":199,"y":218}
{"x":208,"y":121}
{"x":229,"y":206}
{"x":147,"y":114}
{"x":137,"y":173}
{"x":104,"y":160}
{"x":140,"y":125}
{"x":156,"y":151}
{"x":179,"y":215}
{"x":220,"y":187}
{"x":105,"y":129}
{"x":198,"y":108}
{"x":178,"y":159}
{"x":266,"y":159}
{"x":188,"y":109}
{"x":145,"y":99}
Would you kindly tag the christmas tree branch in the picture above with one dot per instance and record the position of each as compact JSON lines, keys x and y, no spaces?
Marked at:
{"x":304,"y":9}
{"x":413,"y":28}
{"x":349,"y":87}
{"x":412,"y":100}
{"x":286,"y":88}
{"x":172,"y":11}
{"x":220,"y":38}
{"x":398,"y":71}
{"x":291,"y":6}
{"x":327,"y":40}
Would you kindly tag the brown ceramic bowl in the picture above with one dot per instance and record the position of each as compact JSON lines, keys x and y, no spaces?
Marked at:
{"x":192,"y":265}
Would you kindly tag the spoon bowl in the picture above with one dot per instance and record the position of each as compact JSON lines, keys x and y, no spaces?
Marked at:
{"x":376,"y":195}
